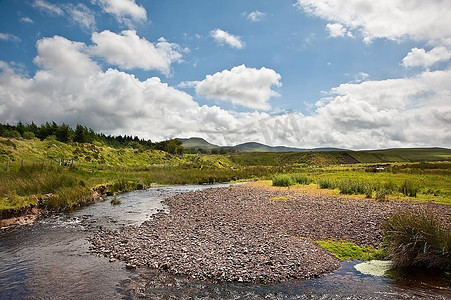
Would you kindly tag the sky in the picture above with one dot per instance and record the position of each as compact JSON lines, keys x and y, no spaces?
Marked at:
{"x":355,"y":74}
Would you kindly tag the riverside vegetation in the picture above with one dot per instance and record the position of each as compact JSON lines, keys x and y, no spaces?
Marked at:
{"x":55,"y":168}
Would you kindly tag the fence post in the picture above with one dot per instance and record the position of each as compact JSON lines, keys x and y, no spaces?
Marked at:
{"x":7,"y":165}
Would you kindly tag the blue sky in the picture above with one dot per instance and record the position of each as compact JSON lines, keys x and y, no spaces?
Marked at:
{"x":355,"y":74}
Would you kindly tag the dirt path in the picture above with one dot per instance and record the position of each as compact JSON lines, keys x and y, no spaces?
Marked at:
{"x":239,"y":234}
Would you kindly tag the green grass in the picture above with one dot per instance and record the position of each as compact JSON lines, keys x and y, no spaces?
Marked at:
{"x":432,"y":185}
{"x":32,"y":168}
{"x":418,"y":239}
{"x":345,"y":250}
{"x":279,"y":198}
{"x":290,"y":179}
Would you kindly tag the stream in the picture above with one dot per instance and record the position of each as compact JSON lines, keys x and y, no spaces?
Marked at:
{"x":50,"y":260}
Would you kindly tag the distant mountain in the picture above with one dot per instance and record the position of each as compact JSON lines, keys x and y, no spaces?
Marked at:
{"x":196,"y":143}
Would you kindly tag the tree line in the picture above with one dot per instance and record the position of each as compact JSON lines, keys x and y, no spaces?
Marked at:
{"x":82,"y":134}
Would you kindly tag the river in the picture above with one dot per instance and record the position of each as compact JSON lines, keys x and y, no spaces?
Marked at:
{"x":50,"y":260}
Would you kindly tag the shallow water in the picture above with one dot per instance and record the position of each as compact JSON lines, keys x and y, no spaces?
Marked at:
{"x":51,"y":260}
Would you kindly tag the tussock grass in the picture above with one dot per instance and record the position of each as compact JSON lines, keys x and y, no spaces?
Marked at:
{"x":282,"y":180}
{"x":418,"y":239}
{"x":290,"y":179}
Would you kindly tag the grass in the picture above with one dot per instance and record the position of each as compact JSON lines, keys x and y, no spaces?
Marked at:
{"x":418,"y":239}
{"x":279,"y":198}
{"x":396,"y":183}
{"x":290,"y":179}
{"x":30,"y":169}
{"x":345,"y":250}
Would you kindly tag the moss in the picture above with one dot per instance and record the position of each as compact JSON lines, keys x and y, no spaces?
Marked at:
{"x":346,"y":250}
{"x":279,"y":198}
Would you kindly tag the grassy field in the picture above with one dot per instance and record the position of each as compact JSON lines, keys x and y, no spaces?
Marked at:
{"x":67,"y":172}
{"x":418,"y":181}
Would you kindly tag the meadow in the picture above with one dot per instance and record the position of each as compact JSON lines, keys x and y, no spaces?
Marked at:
{"x":67,"y":172}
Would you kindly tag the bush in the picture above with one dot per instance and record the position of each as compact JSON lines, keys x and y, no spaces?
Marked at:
{"x":409,"y":188}
{"x":352,"y":187}
{"x":327,"y":184}
{"x":382,"y":193}
{"x":300,"y":178}
{"x":418,"y":239}
{"x":282,"y":180}
{"x":369,"y":191}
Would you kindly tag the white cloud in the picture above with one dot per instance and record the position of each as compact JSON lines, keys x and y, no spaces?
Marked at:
{"x":391,"y":19}
{"x":61,"y":56}
{"x":26,"y":20}
{"x":256,"y":16}
{"x":420,"y":58}
{"x":223,"y":37}
{"x":129,"y":51}
{"x":48,"y":7}
{"x":248,"y":87}
{"x":82,"y":15}
{"x":125,"y":11}
{"x":9,"y":37}
{"x":70,"y":87}
{"x":337,"y":30}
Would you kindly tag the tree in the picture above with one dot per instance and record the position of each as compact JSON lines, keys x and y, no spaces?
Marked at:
{"x":80,"y":134}
{"x":64,"y":133}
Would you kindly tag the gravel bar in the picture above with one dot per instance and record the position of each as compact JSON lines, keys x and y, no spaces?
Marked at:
{"x":238,"y":234}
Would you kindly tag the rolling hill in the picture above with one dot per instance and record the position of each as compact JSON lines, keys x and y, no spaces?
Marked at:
{"x":200,"y":143}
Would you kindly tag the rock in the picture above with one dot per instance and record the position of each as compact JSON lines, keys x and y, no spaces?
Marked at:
{"x":236,"y":234}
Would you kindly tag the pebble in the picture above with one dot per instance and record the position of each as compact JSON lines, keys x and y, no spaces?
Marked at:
{"x":236,"y":234}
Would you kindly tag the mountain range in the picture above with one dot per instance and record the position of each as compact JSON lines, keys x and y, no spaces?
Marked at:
{"x":200,"y":143}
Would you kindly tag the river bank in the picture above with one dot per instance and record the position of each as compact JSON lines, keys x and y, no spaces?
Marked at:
{"x":30,"y":214}
{"x":239,"y":234}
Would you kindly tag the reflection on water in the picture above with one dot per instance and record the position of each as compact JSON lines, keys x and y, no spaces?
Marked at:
{"x":50,"y":260}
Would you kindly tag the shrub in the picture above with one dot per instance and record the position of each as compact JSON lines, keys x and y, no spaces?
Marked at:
{"x":409,"y":188}
{"x":351,"y":187}
{"x":381,"y":194}
{"x":418,"y":239}
{"x":300,"y":178}
{"x":368,"y":191}
{"x":282,"y":180}
{"x":327,"y":184}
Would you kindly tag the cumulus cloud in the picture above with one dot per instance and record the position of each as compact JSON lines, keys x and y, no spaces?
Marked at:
{"x":71,"y":87}
{"x":47,"y":7}
{"x":223,"y":37}
{"x":389,"y":19}
{"x":125,"y":11}
{"x":128,"y":51}
{"x":9,"y":37}
{"x":421,"y":58}
{"x":337,"y":30}
{"x":248,"y":87}
{"x":62,"y":56}
{"x":256,"y":16}
{"x":82,"y":15}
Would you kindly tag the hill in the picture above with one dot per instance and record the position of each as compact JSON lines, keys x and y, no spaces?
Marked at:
{"x":197,"y":143}
{"x":200,"y":143}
